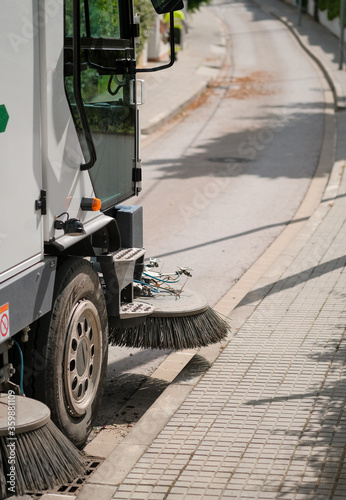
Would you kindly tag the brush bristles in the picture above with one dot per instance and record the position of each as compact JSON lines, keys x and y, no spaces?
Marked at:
{"x":2,"y":476}
{"x":183,"y":332}
{"x":44,"y":458}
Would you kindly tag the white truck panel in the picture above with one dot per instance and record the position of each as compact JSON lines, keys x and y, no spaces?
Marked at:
{"x":62,"y":155}
{"x":20,"y":155}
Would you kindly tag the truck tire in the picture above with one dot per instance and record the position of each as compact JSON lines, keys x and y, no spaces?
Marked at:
{"x":76,"y":350}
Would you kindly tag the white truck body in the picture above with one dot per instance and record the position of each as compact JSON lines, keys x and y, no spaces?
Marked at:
{"x":21,"y":228}
{"x":69,"y":154}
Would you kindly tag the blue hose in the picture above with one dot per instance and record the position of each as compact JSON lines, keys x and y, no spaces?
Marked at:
{"x":21,"y":368}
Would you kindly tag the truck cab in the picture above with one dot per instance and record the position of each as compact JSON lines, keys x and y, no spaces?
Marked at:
{"x":70,"y":158}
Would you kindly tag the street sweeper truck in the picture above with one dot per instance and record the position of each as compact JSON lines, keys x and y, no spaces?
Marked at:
{"x":71,"y":250}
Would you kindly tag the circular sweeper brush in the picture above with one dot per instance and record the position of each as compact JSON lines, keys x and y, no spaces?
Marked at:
{"x":180,"y":321}
{"x":34,"y":454}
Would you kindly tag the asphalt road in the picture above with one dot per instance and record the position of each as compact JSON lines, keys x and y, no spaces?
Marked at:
{"x":223,"y":182}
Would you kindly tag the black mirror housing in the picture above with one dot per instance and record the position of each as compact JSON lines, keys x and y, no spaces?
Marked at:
{"x":164,"y":6}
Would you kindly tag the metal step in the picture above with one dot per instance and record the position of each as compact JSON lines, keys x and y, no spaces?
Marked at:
{"x":123,"y":255}
{"x":128,"y":254}
{"x":118,"y":271}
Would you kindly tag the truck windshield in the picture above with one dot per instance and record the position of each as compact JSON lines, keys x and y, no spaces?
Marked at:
{"x":106,"y":82}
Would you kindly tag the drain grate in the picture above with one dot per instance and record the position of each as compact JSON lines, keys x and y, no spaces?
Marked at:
{"x":72,"y":488}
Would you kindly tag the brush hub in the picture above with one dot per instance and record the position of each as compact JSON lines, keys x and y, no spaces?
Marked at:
{"x":28,"y":414}
{"x":184,"y":303}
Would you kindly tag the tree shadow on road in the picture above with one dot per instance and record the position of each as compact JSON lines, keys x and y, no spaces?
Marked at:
{"x":276,"y":148}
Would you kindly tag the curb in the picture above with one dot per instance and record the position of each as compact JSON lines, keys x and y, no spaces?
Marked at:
{"x":313,"y":56}
{"x":174,"y":113}
{"x":325,"y":70}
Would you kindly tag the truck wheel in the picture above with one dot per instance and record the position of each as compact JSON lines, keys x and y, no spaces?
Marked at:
{"x":76,"y":352}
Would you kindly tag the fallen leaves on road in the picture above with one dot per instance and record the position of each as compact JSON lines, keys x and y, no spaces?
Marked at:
{"x":255,"y":84}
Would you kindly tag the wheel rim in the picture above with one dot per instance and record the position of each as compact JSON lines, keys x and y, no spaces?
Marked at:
{"x":82,"y":357}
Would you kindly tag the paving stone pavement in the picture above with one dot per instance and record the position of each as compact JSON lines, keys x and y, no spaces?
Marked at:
{"x":268,"y":419}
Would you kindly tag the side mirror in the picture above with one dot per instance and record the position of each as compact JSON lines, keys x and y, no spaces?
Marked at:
{"x":172,"y":45}
{"x":163,"y":6}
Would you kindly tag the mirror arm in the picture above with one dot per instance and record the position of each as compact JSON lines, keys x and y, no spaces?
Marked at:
{"x":172,"y":45}
{"x":77,"y":87}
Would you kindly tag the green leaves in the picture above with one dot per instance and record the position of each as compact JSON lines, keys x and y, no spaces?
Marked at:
{"x":193,"y":5}
{"x":332,"y":7}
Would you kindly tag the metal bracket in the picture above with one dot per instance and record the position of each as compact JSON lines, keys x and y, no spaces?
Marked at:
{"x":137,"y":174}
{"x":41,"y":203}
{"x":6,"y":373}
{"x":118,"y":270}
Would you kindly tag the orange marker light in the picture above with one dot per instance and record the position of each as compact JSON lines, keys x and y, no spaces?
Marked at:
{"x":90,"y":204}
{"x":96,"y":204}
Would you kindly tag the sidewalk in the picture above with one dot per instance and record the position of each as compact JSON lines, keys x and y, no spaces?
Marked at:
{"x":171,"y":90}
{"x":268,"y":418}
{"x":321,"y":44}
